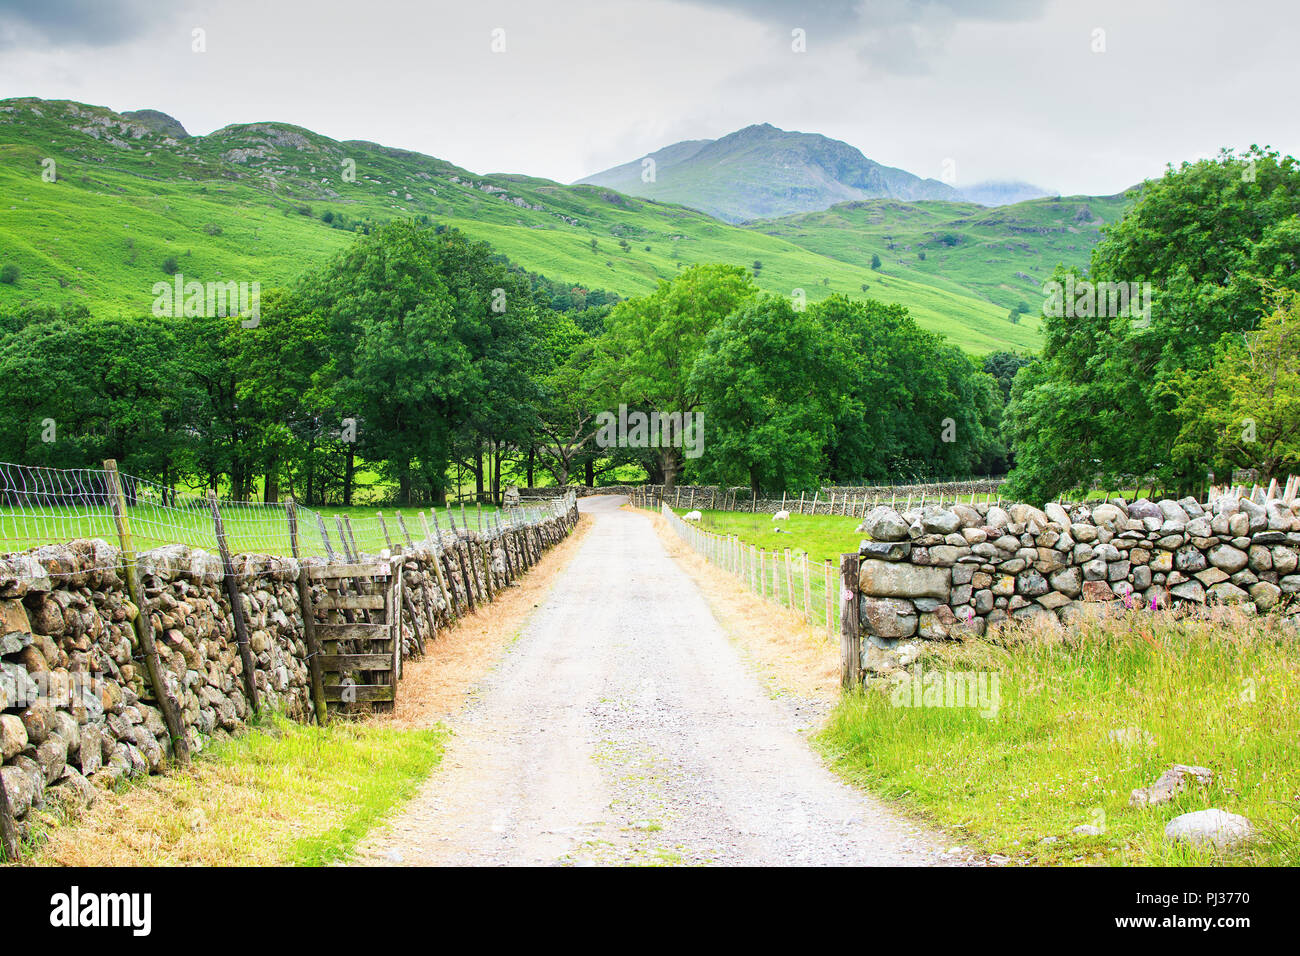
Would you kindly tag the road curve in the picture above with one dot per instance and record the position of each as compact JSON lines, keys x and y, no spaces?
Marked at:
{"x":623,"y":727}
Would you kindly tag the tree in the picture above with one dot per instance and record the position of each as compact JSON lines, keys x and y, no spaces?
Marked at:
{"x":1003,"y":366}
{"x":1244,"y":410}
{"x":1212,"y":238}
{"x":766,"y":380}
{"x":912,"y":402}
{"x":648,"y":353}
{"x":875,"y":261}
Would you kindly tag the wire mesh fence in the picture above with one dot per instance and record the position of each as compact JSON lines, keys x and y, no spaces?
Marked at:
{"x":785,"y":577}
{"x":42,"y":506}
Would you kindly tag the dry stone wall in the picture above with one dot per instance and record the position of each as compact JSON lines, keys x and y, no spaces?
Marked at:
{"x":938,"y":572}
{"x":77,"y":709}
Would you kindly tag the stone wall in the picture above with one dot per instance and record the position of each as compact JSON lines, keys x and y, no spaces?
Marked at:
{"x":77,"y":709}
{"x":938,"y":572}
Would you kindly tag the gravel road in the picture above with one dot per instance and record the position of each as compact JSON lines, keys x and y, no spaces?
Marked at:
{"x":622,"y":727}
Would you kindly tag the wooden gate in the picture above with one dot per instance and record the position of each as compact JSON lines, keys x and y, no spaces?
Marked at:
{"x":359,"y":641}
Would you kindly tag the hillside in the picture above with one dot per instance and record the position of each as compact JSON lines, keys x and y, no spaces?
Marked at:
{"x":265,"y":201}
{"x":1002,"y":255}
{"x":762,"y":172}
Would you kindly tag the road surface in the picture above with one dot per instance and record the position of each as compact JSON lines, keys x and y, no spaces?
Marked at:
{"x":623,"y":727}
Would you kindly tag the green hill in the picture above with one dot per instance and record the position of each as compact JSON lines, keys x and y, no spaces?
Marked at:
{"x":1002,"y":255}
{"x":264,"y":201}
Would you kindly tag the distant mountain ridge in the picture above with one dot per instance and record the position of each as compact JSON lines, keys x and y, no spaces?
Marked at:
{"x":135,"y":196}
{"x":762,"y":172}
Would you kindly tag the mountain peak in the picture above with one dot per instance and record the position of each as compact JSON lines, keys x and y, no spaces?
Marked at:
{"x":762,"y":171}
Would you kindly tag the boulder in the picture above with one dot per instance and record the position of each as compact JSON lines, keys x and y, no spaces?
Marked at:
{"x":1210,"y":828}
{"x":13,"y":736}
{"x":885,"y":524}
{"x":885,"y":550}
{"x":1228,"y":558}
{"x":898,"y":580}
{"x":1170,"y":784}
{"x":940,"y":522}
{"x":888,"y":617}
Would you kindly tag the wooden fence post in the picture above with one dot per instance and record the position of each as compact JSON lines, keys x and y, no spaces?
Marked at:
{"x":143,"y":623}
{"x":850,"y":630}
{"x":826,"y":578}
{"x":236,"y":604}
{"x":308,"y":617}
{"x":807,"y":591}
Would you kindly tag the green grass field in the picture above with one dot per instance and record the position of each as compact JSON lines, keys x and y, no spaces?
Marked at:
{"x":822,"y":537}
{"x":1220,"y":694}
{"x":248,"y":204}
{"x":251,"y":527}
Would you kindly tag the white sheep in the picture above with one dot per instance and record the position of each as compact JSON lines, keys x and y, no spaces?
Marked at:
{"x":692,"y":516}
{"x":781,"y":516}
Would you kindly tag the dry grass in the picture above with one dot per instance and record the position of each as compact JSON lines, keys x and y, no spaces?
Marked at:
{"x":791,"y":655}
{"x":435,"y":687}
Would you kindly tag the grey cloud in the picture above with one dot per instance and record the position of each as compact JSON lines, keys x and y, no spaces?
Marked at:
{"x":895,"y":36}
{"x":93,"y":23}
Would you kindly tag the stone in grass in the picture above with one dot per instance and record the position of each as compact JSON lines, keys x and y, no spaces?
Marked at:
{"x":1171,"y":783}
{"x":1086,"y":829}
{"x":1216,"y":828}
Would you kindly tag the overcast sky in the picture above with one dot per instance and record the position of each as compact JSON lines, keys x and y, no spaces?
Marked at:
{"x":1006,"y":89}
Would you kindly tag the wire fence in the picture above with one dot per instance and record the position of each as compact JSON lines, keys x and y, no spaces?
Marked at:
{"x":784,"y":577}
{"x":43,"y":506}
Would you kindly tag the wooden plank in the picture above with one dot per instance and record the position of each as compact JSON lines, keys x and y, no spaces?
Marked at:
{"x":359,"y":693}
{"x":308,"y":618}
{"x":143,"y":623}
{"x":353,"y":632}
{"x":236,"y":606}
{"x":850,"y":633}
{"x":356,"y":662}
{"x":366,"y":602}
{"x":368,"y":569}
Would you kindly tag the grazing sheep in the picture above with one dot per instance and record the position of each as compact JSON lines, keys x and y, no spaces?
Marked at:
{"x":781,"y":516}
{"x":692,"y":516}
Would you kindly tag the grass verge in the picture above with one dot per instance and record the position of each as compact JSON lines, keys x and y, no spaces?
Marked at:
{"x":1084,"y":717}
{"x":283,"y":794}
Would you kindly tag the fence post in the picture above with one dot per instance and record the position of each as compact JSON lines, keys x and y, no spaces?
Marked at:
{"x":807,"y":592}
{"x":143,"y":623}
{"x":236,"y":604}
{"x":850,"y":634}
{"x":830,"y":616}
{"x":308,"y":617}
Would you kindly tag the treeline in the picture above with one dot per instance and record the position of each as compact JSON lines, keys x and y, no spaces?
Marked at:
{"x":1206,"y":381}
{"x":417,"y":355}
{"x":412,"y":354}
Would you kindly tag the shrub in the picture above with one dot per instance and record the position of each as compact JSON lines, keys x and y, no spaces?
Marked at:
{"x":171,"y":266}
{"x":9,"y":274}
